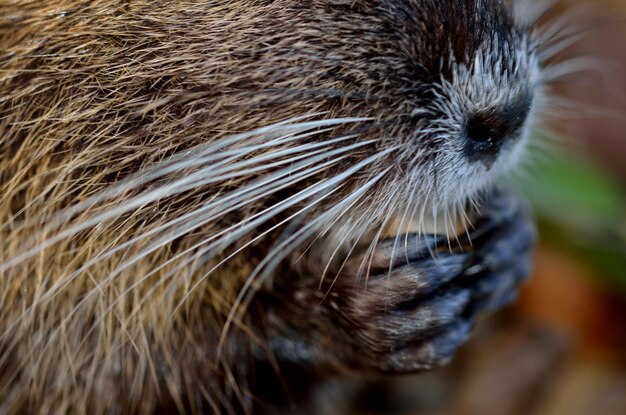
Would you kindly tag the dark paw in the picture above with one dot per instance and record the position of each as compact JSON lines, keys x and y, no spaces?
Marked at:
{"x":417,"y":303}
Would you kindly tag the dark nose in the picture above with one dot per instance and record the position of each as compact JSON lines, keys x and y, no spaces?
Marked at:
{"x":488,"y":131}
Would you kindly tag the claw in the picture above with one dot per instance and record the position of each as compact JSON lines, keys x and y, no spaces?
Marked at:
{"x":415,"y":309}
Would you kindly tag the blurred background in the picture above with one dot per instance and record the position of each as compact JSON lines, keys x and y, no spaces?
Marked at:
{"x":562,"y":348}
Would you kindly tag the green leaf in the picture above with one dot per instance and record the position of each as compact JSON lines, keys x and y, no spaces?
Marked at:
{"x":582,"y":207}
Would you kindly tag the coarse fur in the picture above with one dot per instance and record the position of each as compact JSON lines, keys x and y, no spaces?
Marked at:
{"x":164,"y":163}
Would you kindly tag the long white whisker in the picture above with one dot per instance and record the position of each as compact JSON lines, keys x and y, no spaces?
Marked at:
{"x":50,"y":293}
{"x":337,"y":180}
{"x":374,"y":243}
{"x":281,"y":251}
{"x":287,"y":177}
{"x":189,"y":158}
{"x":167,"y":190}
{"x":347,"y":235}
{"x":574,"y":65}
{"x":248,"y":224}
{"x":305,"y":194}
{"x":222,"y":203}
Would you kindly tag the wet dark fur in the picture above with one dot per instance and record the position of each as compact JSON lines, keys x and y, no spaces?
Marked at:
{"x":92,"y":92}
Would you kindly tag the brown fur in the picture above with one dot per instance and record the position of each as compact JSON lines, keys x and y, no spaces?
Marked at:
{"x":94,"y":91}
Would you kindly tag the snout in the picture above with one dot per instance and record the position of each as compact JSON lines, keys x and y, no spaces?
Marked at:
{"x":489,"y":130}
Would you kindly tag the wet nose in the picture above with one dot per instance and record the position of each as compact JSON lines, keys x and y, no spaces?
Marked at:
{"x":488,"y":131}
